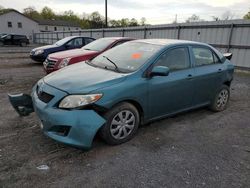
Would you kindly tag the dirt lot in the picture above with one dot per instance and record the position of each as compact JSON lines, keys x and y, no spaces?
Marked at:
{"x":195,"y":149}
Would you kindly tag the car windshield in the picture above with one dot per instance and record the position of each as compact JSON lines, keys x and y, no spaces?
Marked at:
{"x":63,"y":41}
{"x":128,"y":57}
{"x":99,"y":45}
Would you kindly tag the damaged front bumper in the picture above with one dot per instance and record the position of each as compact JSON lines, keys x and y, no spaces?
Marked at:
{"x":72,"y":127}
{"x":22,"y":103}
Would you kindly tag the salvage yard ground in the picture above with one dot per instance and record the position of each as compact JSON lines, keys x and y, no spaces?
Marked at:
{"x":194,"y":149}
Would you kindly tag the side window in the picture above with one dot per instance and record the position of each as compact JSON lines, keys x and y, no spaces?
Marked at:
{"x":88,"y":40}
{"x":204,"y":56}
{"x":175,"y":59}
{"x":78,"y":42}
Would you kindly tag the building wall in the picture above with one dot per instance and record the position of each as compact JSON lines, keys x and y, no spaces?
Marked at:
{"x":28,"y":26}
{"x":43,"y":28}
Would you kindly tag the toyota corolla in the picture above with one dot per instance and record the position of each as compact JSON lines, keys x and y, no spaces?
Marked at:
{"x":135,"y":83}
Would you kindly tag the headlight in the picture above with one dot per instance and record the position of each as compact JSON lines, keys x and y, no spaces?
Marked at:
{"x":64,"y":63}
{"x":74,"y":101}
{"x":37,"y":52}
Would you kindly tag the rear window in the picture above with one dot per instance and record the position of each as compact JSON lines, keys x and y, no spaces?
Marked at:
{"x":99,"y":45}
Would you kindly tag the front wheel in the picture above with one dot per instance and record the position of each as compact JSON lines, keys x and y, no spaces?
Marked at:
{"x":121,"y":125}
{"x":221,"y":99}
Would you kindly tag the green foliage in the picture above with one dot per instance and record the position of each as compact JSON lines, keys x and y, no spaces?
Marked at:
{"x":94,"y":20}
{"x":247,"y":16}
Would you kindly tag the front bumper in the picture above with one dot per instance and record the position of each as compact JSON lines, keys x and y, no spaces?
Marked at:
{"x":39,"y":58}
{"x":73,"y":127}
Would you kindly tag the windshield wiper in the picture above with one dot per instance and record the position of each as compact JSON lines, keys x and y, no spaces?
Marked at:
{"x":116,"y":67}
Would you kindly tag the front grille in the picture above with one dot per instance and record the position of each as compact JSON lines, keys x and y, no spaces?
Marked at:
{"x":43,"y":96}
{"x":49,"y":63}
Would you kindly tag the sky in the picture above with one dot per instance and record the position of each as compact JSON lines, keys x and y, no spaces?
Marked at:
{"x":155,"y":11}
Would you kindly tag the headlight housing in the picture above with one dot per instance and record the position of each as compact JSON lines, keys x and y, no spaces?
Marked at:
{"x":64,"y":63}
{"x":76,"y":101}
{"x":37,"y":52}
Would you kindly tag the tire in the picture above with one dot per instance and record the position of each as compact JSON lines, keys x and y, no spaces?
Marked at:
{"x":221,"y":99}
{"x":23,"y":44}
{"x":122,"y":123}
{"x":1,"y":43}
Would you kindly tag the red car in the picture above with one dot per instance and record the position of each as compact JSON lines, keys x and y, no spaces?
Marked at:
{"x":59,"y":60}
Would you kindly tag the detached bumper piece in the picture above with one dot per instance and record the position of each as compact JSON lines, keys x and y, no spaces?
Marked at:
{"x":22,"y":103}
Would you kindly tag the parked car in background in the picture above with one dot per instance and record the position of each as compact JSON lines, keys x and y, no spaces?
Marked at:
{"x":134,"y":83}
{"x":2,"y":34}
{"x":40,"y":54}
{"x":13,"y":39}
{"x":59,"y":60}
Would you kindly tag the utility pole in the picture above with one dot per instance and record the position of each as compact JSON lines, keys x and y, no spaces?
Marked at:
{"x":106,"y":13}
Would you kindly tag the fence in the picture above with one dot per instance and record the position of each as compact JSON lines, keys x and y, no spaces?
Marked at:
{"x":227,"y":36}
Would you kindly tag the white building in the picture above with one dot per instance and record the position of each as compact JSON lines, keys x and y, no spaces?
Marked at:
{"x":12,"y":21}
{"x":57,"y":25}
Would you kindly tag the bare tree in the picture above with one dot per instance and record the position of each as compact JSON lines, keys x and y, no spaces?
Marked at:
{"x":228,"y":15}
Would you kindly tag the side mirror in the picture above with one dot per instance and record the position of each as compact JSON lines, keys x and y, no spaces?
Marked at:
{"x":159,"y":71}
{"x":228,"y":55}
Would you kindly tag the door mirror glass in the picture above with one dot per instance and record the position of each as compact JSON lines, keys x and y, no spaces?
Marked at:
{"x":159,"y":71}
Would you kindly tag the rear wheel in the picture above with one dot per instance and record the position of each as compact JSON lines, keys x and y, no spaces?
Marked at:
{"x":221,"y":99}
{"x":23,"y":44}
{"x":121,"y":125}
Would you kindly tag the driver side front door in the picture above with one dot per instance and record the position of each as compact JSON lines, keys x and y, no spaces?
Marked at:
{"x":172,"y":93}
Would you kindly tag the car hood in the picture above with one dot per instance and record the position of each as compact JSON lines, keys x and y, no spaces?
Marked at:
{"x":45,"y":47}
{"x":82,"y":78}
{"x":72,"y":53}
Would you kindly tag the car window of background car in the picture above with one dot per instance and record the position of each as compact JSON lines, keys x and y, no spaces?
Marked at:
{"x":175,"y":59}
{"x":88,"y":40}
{"x":119,"y":42}
{"x":203,"y":56}
{"x":76,"y":42}
{"x":7,"y":37}
{"x":63,"y":41}
{"x":99,"y":45}
{"x":128,"y":57}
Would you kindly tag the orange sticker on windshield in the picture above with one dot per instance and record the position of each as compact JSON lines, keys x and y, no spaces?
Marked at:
{"x":136,"y":56}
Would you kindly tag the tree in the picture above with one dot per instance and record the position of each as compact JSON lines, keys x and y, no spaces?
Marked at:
{"x":143,"y":21}
{"x":247,"y":16}
{"x":31,"y":13}
{"x":47,"y":13}
{"x":96,"y":20}
{"x":133,"y":22}
{"x":193,"y":18}
{"x":215,"y":18}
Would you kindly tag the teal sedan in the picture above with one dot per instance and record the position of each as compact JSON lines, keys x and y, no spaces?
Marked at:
{"x":132,"y":84}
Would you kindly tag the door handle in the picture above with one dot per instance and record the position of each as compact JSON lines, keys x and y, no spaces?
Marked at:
{"x":190,"y":76}
{"x":219,"y":70}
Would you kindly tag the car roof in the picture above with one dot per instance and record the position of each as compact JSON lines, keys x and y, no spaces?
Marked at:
{"x":166,"y":42}
{"x":119,"y":38}
{"x":77,"y":36}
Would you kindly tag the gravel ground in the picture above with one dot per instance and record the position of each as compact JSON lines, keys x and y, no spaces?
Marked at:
{"x":194,"y":149}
